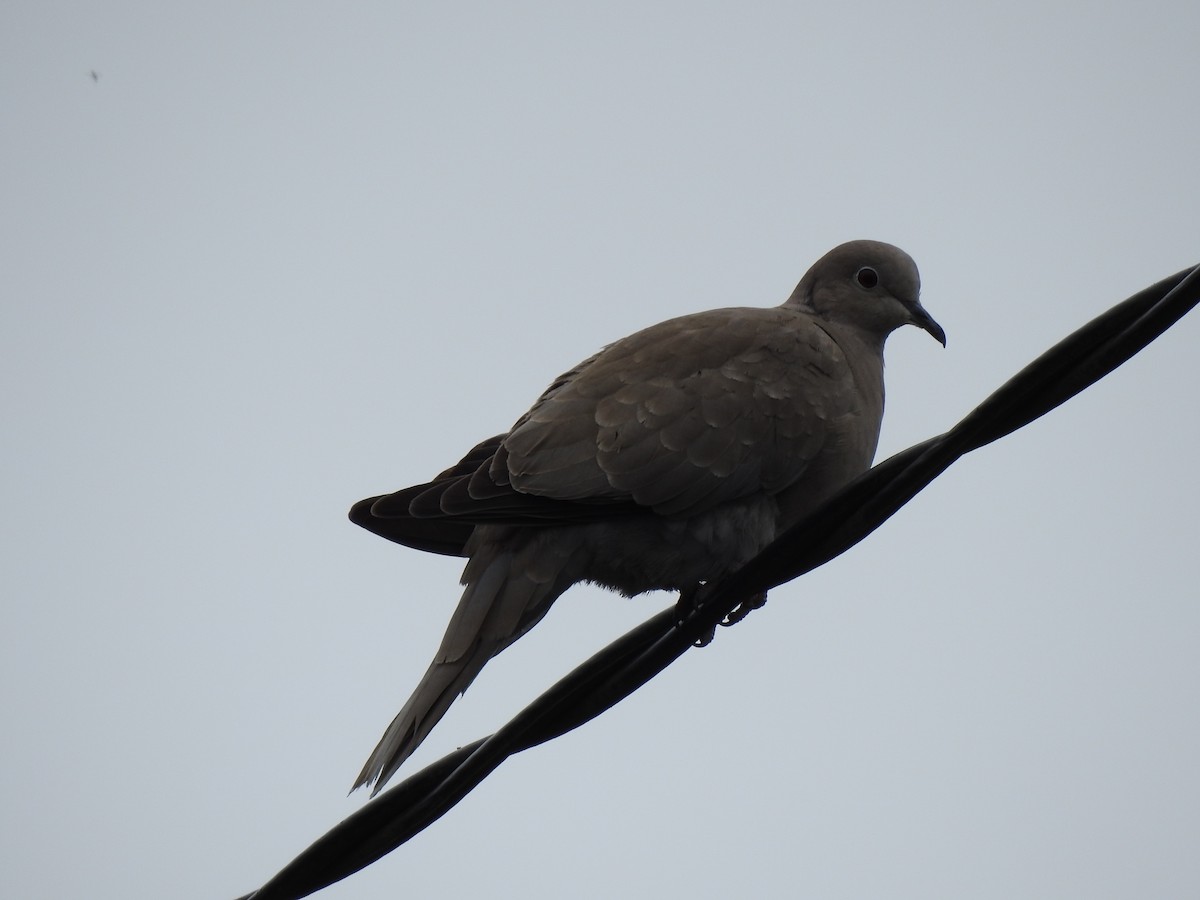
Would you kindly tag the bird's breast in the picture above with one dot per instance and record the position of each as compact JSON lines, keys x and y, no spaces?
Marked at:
{"x":666,"y":553}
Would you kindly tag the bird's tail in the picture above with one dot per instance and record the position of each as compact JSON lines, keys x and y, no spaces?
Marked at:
{"x":500,"y":604}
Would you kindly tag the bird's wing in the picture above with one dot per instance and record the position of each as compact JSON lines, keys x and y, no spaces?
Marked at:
{"x":445,"y":536}
{"x":671,"y":421}
{"x":685,"y":415}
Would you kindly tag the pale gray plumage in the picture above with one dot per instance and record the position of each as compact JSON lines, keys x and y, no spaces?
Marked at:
{"x":669,"y":458}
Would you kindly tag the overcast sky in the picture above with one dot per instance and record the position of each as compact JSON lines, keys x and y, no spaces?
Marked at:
{"x":276,"y":257}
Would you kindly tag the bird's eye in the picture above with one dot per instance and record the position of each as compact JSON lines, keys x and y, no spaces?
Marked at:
{"x":867,"y":277}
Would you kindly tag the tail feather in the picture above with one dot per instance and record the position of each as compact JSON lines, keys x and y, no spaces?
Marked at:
{"x":496,"y":608}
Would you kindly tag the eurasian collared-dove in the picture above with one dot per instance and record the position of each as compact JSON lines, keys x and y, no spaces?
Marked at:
{"x":668,"y":459}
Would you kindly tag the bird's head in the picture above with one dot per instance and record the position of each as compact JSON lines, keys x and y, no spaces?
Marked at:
{"x":868,"y":285}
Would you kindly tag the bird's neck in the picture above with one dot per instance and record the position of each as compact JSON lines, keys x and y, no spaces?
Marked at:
{"x":864,"y":356}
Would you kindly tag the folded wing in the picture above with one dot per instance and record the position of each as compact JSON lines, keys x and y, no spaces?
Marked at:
{"x":671,"y":421}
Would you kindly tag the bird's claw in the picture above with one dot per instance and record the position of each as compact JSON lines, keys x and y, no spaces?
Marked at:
{"x":690,"y":602}
{"x":743,"y":609}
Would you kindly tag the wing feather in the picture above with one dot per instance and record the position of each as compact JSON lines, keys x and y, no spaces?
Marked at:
{"x":688,"y":414}
{"x":672,"y":421}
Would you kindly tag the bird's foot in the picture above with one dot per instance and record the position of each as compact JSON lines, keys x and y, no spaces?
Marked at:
{"x":690,"y":601}
{"x":688,"y":604}
{"x":743,"y":609}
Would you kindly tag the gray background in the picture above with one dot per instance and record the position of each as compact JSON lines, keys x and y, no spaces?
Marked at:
{"x":285,"y":255}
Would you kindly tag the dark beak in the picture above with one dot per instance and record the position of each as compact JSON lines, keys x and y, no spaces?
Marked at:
{"x":924,"y":321}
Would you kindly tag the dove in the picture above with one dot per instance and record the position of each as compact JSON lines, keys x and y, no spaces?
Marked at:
{"x":666,"y":460}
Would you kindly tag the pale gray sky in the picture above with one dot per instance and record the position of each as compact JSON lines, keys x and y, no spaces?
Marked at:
{"x":282,"y":256}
